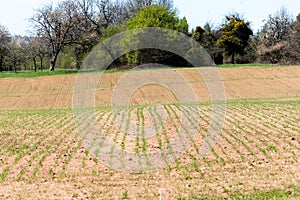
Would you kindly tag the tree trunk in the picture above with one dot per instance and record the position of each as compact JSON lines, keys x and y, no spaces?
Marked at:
{"x":1,"y":63}
{"x":34,"y":64}
{"x":232,"y":58}
{"x":15,"y":66}
{"x":53,"y":62}
{"x":41,"y":63}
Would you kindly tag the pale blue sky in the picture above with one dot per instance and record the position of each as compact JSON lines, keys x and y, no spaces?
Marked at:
{"x":14,"y":13}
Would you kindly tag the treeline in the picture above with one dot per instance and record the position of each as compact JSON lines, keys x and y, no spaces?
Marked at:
{"x":64,"y":34}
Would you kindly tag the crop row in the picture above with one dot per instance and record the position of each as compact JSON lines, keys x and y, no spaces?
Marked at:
{"x":36,"y":143}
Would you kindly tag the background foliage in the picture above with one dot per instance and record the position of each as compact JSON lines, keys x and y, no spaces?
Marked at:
{"x":64,"y":34}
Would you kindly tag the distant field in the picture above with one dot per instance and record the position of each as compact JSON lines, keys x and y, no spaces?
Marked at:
{"x":256,"y":156}
{"x":241,"y":83}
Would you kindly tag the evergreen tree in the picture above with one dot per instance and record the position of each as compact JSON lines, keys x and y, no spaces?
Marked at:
{"x":235,"y":36}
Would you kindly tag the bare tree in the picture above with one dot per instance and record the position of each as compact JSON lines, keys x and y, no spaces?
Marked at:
{"x":277,"y":27}
{"x":24,"y":51}
{"x":95,"y":17}
{"x":56,"y":26}
{"x":274,"y":39}
{"x":5,"y":39}
{"x":134,"y":6}
{"x":14,"y":57}
{"x":295,"y":41}
{"x":168,"y":3}
{"x":37,"y":49}
{"x":109,"y":13}
{"x":88,"y":9}
{"x":102,"y":13}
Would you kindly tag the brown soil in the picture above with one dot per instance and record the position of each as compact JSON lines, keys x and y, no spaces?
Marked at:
{"x":240,"y":83}
{"x":67,"y":172}
{"x":257,"y":150}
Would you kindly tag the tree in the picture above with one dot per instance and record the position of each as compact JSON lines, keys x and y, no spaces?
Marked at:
{"x":167,"y":3}
{"x":198,"y":34}
{"x":277,"y":27}
{"x":37,"y":48}
{"x":14,"y":57}
{"x":95,"y":18}
{"x":5,"y":40}
{"x":294,"y":43}
{"x":133,"y":7}
{"x":183,"y":26}
{"x":24,"y":52}
{"x":207,"y":38}
{"x":235,"y":36}
{"x":56,"y":26}
{"x":296,"y":29}
{"x":102,"y":14}
{"x":274,"y":39}
{"x":155,"y":16}
{"x":295,"y":39}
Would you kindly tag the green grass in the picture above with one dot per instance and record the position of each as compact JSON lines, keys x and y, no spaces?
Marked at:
{"x":31,"y":73}
{"x":246,"y":65}
{"x":294,"y":193}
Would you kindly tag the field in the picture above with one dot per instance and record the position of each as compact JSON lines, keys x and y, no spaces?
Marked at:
{"x":256,"y":156}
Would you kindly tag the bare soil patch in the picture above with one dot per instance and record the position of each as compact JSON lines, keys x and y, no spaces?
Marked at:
{"x":240,"y":83}
{"x":42,"y":156}
{"x":254,"y":153}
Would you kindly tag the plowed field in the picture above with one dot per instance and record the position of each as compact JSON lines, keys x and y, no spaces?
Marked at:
{"x":42,"y":156}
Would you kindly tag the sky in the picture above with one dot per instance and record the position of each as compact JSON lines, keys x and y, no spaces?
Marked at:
{"x":14,"y":14}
